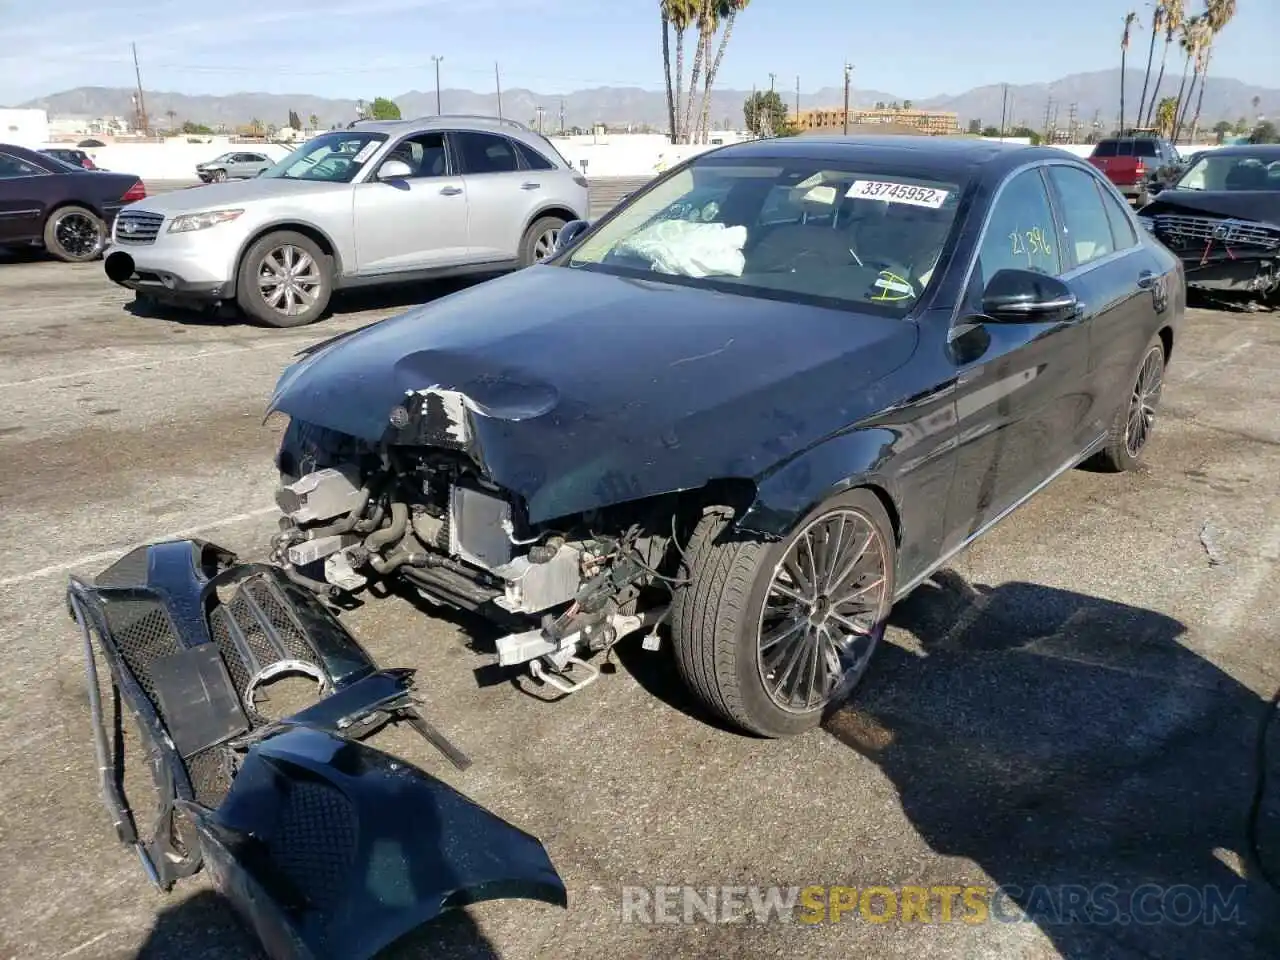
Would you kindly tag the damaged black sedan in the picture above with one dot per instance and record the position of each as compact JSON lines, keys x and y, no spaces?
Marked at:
{"x":751,"y":408}
{"x":1222,"y":219}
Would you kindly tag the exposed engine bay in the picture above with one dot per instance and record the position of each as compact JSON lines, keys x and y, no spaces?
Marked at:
{"x":354,"y":514}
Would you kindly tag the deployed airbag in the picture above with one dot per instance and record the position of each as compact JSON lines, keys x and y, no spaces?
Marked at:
{"x":690,"y":248}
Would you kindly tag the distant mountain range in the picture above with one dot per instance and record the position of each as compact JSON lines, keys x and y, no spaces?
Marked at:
{"x":1091,"y":93}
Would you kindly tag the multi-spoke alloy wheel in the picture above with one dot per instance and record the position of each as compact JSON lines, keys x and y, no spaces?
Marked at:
{"x":539,"y":241}
{"x":1143,"y":403}
{"x":545,"y":245}
{"x":74,"y":235}
{"x":285,"y":280}
{"x":289,"y":279}
{"x":773,"y":635}
{"x":819,"y":622}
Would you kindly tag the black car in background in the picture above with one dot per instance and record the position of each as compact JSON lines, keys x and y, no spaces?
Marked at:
{"x":1222,"y":218}
{"x":759,"y":402}
{"x":66,"y":209}
{"x":76,"y":158}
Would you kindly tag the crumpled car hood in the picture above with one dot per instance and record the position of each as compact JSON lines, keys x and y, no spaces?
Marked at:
{"x":1259,"y":205}
{"x":587,"y":389}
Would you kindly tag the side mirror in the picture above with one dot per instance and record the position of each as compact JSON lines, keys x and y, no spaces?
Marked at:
{"x":570,"y":233}
{"x":394,"y":170}
{"x":1024,"y":296}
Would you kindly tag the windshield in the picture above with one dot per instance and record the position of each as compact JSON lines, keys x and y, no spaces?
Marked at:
{"x":334,"y":157}
{"x":801,"y":230}
{"x":1230,"y":172}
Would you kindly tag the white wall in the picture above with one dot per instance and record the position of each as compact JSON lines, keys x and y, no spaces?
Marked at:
{"x":24,"y":128}
{"x":613,"y":155}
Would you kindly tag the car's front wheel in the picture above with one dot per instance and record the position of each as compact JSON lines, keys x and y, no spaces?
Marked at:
{"x":540,"y":240}
{"x":771,"y":635}
{"x":74,"y":234}
{"x":219,"y":176}
{"x":285,"y":280}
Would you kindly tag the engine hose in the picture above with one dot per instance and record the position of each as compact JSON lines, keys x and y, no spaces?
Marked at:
{"x":381,"y":539}
{"x":346,"y":524}
{"x":315,"y":586}
{"x":373,"y":521}
{"x":398,"y":559}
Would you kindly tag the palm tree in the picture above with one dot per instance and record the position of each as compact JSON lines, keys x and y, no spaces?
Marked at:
{"x":1190,"y":36}
{"x":1165,"y":114}
{"x":726,"y":10}
{"x":665,"y":9}
{"x":703,"y":19}
{"x":680,"y":15}
{"x":1175,"y":14}
{"x":314,"y":120}
{"x":172,"y":115}
{"x":1157,"y":24}
{"x":1195,"y":41}
{"x":1218,"y":14}
{"x":1130,"y":21}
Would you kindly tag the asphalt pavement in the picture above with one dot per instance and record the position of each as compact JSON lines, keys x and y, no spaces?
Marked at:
{"x":1074,"y":703}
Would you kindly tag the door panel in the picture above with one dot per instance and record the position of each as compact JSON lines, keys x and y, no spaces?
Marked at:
{"x":501,"y":196}
{"x":418,"y":222}
{"x":21,"y":206}
{"x":1018,"y":396}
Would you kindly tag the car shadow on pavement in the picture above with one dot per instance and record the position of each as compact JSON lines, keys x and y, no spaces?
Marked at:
{"x":205,"y":927}
{"x":1088,"y":763}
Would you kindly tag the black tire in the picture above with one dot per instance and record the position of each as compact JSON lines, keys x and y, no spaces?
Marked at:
{"x":539,"y":240}
{"x":1120,"y":454}
{"x":717,"y":617}
{"x":74,"y":234}
{"x":317,"y":280}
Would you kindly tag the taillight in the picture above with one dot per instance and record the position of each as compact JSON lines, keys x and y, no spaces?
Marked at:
{"x":1140,"y":168}
{"x":137,"y":192}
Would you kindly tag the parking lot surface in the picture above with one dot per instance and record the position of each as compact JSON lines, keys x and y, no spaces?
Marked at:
{"x":1075,"y":701}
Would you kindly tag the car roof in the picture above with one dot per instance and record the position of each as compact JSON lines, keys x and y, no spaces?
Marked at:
{"x":455,"y":121}
{"x":959,"y":157}
{"x":1252,"y":149}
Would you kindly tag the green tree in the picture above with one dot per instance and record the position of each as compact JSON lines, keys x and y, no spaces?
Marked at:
{"x":906,"y":104}
{"x":766,"y":115}
{"x":718,"y":12}
{"x":1218,"y":13}
{"x":384,"y":109}
{"x":1166,"y":116}
{"x":1026,"y":133}
{"x":315,"y":122}
{"x":990,"y":132}
{"x":678,"y":15}
{"x":1175,"y":14}
{"x":295,"y":121}
{"x":1157,"y":24}
{"x":975,"y":127}
{"x":1130,"y":21}
{"x":1221,"y":129}
{"x":1265,"y":132}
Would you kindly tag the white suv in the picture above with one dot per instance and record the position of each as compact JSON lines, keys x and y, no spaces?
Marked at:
{"x":380,"y":202}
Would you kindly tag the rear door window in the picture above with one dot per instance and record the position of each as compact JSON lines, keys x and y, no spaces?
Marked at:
{"x":1105,"y":148}
{"x":532,"y":159}
{"x":11,"y":167}
{"x":485,"y":153}
{"x":1086,"y":229}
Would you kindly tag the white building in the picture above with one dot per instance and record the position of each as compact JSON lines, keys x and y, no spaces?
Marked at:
{"x":25,"y":128}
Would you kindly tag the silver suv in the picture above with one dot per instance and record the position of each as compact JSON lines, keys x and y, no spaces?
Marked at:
{"x":381,"y":202}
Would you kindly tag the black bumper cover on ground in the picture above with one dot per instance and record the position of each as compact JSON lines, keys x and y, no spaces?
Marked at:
{"x":327,"y":847}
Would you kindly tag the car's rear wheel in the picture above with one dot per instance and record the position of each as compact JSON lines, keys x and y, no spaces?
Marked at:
{"x":1135,"y":420}
{"x":74,"y":234}
{"x":285,"y":280}
{"x":540,"y":240}
{"x":772,"y":635}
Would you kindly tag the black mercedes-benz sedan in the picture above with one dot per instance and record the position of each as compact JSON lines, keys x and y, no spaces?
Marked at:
{"x":66,"y":209}
{"x":1222,"y":219}
{"x":744,"y":413}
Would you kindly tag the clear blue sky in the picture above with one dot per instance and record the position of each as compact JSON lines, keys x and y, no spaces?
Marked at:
{"x":912,"y":48}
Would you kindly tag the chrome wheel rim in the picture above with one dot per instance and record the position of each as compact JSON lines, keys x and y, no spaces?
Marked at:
{"x":1143,"y":403}
{"x":289,"y":280}
{"x":78,"y":234}
{"x":823,"y":611}
{"x":545,"y":245}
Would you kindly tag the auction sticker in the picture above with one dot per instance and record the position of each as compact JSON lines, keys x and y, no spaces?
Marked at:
{"x":367,"y":151}
{"x":898,"y":193}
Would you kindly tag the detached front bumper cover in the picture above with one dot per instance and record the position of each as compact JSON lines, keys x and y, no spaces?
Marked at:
{"x":326,"y":846}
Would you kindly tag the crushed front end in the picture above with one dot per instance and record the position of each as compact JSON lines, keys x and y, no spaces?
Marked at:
{"x":327,"y":847}
{"x":421,"y":507}
{"x":1220,"y":253}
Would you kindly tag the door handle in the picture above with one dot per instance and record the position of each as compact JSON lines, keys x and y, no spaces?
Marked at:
{"x":530,"y":186}
{"x":1146,"y":279}
{"x":451,"y":191}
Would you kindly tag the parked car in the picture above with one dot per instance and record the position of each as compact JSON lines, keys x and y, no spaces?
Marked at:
{"x":760,"y":401}
{"x":237,"y":165}
{"x":383,"y":203}
{"x":1222,"y":218}
{"x":1138,"y":166}
{"x":76,"y":158}
{"x":65,"y":209}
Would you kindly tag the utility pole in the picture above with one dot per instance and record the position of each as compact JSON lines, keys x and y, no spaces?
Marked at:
{"x":848,"y":73}
{"x":437,"y":62}
{"x":772,"y":77}
{"x":797,"y":99}
{"x":497,"y":82}
{"x":1071,"y":122}
{"x":540,"y":113}
{"x":1048,"y":112}
{"x":1004,"y":109}
{"x":142,"y":104}
{"x":562,"y":118}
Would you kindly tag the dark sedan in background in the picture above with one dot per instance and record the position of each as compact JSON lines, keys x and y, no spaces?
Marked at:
{"x":68,"y":210}
{"x":1222,"y":218}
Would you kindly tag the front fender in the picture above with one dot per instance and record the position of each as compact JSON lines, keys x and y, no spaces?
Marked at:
{"x":848,"y":460}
